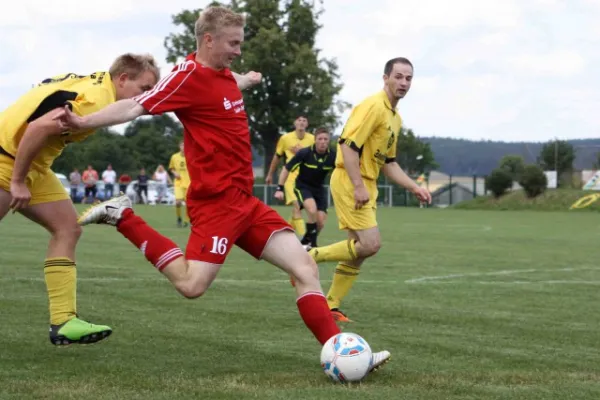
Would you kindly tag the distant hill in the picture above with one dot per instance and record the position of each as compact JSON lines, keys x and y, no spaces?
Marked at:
{"x":467,"y":157}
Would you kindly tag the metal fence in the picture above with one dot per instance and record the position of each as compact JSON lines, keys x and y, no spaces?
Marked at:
{"x":445,"y":191}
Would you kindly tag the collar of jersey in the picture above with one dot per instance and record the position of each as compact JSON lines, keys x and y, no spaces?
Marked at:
{"x":314,"y":150}
{"x":386,"y":101}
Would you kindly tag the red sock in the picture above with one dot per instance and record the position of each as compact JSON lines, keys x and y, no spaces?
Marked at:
{"x":316,"y":315}
{"x":159,"y":250}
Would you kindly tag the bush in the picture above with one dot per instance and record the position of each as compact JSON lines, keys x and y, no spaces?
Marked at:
{"x":533,"y":180}
{"x":498,"y":182}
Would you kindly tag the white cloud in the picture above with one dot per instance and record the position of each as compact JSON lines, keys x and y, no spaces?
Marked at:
{"x":494,"y":69}
{"x":554,"y":63}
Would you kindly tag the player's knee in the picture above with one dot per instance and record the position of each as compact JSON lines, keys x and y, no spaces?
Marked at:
{"x":191,"y":291}
{"x":71,"y":231}
{"x":370,"y":247}
{"x":307,"y":272}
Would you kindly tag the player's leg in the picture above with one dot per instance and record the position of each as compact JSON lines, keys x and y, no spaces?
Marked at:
{"x":179,"y":197}
{"x":321,"y":220}
{"x":186,"y":214}
{"x":52,"y":208}
{"x":5,"y":199}
{"x":291,"y":199}
{"x":310,"y":206}
{"x":190,"y":275}
{"x":270,"y":238}
{"x":349,"y":218}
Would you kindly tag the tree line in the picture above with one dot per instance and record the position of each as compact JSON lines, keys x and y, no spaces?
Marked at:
{"x":298,"y":80}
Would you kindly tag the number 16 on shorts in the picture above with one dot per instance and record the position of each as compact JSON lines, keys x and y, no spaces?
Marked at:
{"x":219,"y":245}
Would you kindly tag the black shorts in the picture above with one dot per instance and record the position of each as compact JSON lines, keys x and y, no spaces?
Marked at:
{"x":318,"y":194}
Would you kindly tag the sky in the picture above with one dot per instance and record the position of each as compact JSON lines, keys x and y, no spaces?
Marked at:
{"x":506,"y":70}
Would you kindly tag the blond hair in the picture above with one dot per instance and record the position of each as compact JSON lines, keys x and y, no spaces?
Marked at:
{"x":214,"y":18}
{"x":134,"y":65}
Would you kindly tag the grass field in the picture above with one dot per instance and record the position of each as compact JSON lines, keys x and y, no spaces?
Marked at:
{"x":472,"y":305}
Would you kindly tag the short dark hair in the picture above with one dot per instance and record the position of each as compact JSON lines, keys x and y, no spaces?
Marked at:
{"x":302,"y":116}
{"x":321,"y":130}
{"x":387,"y":70}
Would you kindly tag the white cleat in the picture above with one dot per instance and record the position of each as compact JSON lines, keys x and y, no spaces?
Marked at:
{"x":379,"y":359}
{"x":108,"y":212}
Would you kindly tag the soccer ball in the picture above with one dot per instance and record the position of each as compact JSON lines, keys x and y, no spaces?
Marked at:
{"x":346,"y":357}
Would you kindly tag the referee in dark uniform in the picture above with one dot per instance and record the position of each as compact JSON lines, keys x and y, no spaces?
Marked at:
{"x":314,"y":164}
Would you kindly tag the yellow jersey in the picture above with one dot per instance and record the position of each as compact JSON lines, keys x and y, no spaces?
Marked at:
{"x":84,"y":94}
{"x":178,"y":165}
{"x":372,"y":129}
{"x":289,"y":144}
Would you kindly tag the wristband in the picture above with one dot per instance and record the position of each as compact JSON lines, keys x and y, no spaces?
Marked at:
{"x":280,"y":188}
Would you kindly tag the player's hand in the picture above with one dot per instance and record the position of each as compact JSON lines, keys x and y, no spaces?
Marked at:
{"x":20,"y":196}
{"x":422,"y":194}
{"x":69,"y":121}
{"x":254,"y":78}
{"x":361,"y":197}
{"x":278,"y":195}
{"x":269,"y":179}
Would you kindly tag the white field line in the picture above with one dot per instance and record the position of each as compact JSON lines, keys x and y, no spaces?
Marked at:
{"x":495,"y":273}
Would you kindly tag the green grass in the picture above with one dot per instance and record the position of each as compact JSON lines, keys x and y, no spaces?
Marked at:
{"x":472,"y":305}
{"x":551,"y":200}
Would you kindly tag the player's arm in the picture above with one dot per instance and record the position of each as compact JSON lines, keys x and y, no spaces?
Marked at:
{"x":272,"y":168}
{"x":352,"y":165}
{"x":117,"y":113}
{"x":291,"y":166}
{"x":396,"y":174}
{"x":247,"y":80}
{"x":32,"y":142}
{"x":279,"y":152}
{"x":172,"y":93}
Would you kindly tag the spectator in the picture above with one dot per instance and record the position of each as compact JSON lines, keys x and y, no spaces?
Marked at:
{"x":142,"y":186}
{"x":124,"y":180}
{"x":90,"y":179}
{"x":75,"y":181}
{"x":109,"y":177}
{"x":162,"y":178}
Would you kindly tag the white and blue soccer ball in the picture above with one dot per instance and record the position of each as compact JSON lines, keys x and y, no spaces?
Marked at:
{"x":346,"y":357}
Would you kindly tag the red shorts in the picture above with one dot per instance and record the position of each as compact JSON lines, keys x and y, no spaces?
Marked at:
{"x":232,"y":217}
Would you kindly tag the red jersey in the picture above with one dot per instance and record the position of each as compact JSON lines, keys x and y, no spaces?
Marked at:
{"x":210,"y":106}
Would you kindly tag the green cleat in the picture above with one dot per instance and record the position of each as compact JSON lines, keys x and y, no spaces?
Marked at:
{"x":78,"y":331}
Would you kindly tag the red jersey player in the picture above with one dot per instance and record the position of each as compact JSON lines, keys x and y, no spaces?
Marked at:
{"x":204,"y":95}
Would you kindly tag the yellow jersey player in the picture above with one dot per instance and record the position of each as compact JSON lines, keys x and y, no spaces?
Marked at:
{"x":366,"y":147}
{"x":181,"y":180}
{"x":30,"y":140}
{"x":287,"y":146}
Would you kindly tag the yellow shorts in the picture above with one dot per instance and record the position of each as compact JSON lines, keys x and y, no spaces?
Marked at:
{"x":180,"y":192}
{"x":45,"y":187}
{"x":342,"y":192}
{"x":289,"y":186}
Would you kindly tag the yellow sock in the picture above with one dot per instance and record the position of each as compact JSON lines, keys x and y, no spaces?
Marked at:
{"x":343,"y":278}
{"x":340,"y":251}
{"x":178,"y":212}
{"x":186,"y":216}
{"x":299,"y":226}
{"x":61,"y":283}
